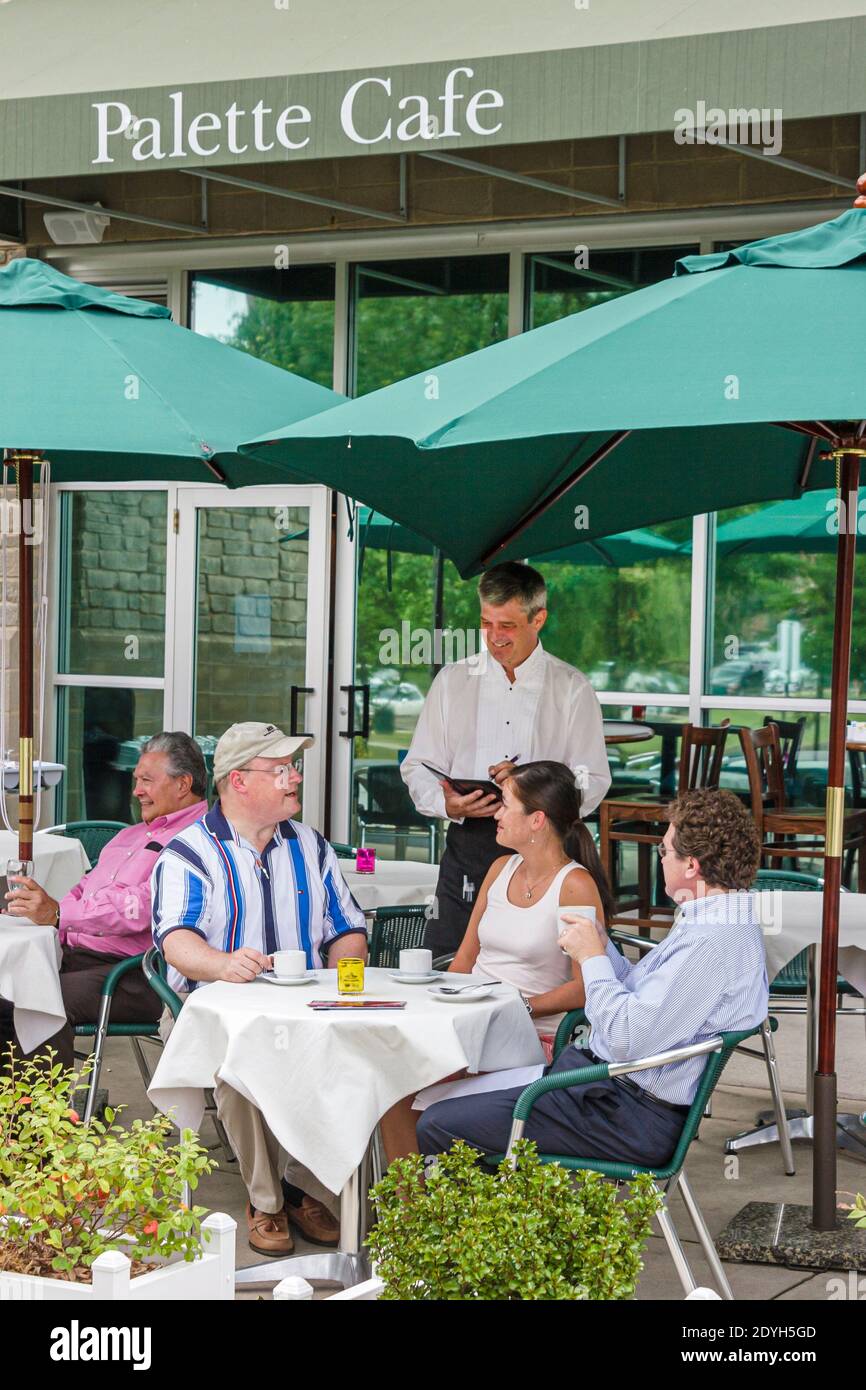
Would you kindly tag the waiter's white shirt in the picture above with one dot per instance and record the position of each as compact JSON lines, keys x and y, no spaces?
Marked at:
{"x":474,"y":717}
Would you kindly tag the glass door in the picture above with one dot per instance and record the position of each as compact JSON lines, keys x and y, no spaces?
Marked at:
{"x":250,"y":639}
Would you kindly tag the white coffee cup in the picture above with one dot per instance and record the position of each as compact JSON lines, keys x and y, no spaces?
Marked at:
{"x":563,"y":912}
{"x":417,"y":962}
{"x":290,"y":964}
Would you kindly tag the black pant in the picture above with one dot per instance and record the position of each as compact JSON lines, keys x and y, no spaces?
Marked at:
{"x":601,"y":1120}
{"x":82,"y":974}
{"x":470,"y":849}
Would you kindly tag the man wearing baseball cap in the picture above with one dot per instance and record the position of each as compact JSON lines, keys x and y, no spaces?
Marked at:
{"x":239,"y":884}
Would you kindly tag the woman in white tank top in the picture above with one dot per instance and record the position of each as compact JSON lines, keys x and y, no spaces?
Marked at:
{"x":513,"y":931}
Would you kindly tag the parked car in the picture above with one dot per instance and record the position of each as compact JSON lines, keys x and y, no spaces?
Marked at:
{"x":801,"y":680}
{"x":737,"y":678}
{"x":404,"y":700}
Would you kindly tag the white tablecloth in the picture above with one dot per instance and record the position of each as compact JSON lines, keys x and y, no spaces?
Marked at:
{"x":324,"y":1080}
{"x":58,"y":862}
{"x":395,"y":883}
{"x":29,"y":977}
{"x":792,"y":921}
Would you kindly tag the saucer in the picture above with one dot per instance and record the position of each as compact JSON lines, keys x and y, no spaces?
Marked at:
{"x":482,"y":992}
{"x":406,"y":977}
{"x":311,"y":978}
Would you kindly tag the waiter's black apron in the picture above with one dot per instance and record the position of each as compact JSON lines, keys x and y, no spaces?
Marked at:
{"x":470,"y":849}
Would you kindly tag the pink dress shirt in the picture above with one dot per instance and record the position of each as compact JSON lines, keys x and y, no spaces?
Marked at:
{"x":109,"y":909}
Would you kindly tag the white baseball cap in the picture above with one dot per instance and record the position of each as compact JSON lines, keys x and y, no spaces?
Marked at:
{"x":242,"y":742}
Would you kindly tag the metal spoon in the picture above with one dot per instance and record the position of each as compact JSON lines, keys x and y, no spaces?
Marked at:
{"x":480,"y":984}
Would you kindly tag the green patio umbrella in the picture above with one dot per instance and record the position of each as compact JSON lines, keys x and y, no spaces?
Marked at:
{"x":108,"y":389}
{"x":806,"y":523}
{"x":713,"y":388}
{"x":377,"y":532}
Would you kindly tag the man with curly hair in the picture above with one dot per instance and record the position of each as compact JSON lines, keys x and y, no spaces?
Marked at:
{"x":707,"y":976}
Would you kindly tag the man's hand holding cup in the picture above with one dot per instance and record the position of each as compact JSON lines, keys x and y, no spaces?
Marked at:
{"x":579,"y":936}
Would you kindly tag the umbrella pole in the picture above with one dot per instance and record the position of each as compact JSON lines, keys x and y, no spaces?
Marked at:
{"x":824,"y":1151}
{"x":23,"y":461}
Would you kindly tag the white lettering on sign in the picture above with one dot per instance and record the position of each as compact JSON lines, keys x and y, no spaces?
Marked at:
{"x":368,"y":115}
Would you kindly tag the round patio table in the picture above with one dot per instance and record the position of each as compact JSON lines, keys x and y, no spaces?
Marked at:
{"x":324,"y":1080}
{"x":624,"y":731}
{"x":30,"y":979}
{"x":59,"y":861}
{"x":393,"y":883}
{"x":791,"y":923}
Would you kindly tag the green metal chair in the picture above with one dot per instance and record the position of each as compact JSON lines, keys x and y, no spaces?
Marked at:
{"x":767,"y":1053}
{"x":396,"y":929}
{"x":93,"y":834}
{"x":343,"y":851}
{"x":672,"y":1175}
{"x":104,"y":1028}
{"x":153,"y":965}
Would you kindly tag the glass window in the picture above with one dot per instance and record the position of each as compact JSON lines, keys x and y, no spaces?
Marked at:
{"x":113,"y":607}
{"x":626,"y":625}
{"x":98,"y":729}
{"x":772,"y":631}
{"x":285,"y":317}
{"x":414,"y":314}
{"x":410,"y":315}
{"x":564,"y":282}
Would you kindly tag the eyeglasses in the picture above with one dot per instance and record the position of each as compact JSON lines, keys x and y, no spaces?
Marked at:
{"x":281,"y":770}
{"x":662,"y":850}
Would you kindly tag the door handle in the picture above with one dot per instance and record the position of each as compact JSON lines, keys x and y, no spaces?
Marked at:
{"x":295,"y":692}
{"x":364,"y":731}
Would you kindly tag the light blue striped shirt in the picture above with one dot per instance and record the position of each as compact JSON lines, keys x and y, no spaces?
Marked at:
{"x":290,"y":897}
{"x":708,"y":976}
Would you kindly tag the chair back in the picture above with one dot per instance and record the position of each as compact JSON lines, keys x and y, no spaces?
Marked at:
{"x":396,"y":929}
{"x":93,"y":834}
{"x":763,"y":754}
{"x":791,"y":979}
{"x":857,"y":763}
{"x":701,"y":756}
{"x":342,"y":851}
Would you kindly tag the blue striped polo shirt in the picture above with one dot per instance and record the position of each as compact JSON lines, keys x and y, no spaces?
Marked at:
{"x":292,"y":896}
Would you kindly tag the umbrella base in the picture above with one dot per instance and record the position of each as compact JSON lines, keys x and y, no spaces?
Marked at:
{"x":850,"y":1132}
{"x":781,"y":1233}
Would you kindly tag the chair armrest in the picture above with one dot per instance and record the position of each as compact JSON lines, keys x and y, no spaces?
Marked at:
{"x":116,"y":973}
{"x":160,"y":987}
{"x":622,"y":938}
{"x":573,"y":1019}
{"x":583,"y":1076}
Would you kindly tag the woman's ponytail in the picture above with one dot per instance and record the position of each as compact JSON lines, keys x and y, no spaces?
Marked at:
{"x":550,"y":787}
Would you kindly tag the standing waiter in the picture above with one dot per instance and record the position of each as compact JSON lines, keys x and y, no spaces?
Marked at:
{"x":511,"y":703}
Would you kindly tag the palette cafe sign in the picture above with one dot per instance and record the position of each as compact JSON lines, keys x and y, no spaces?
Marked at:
{"x":369,"y":114}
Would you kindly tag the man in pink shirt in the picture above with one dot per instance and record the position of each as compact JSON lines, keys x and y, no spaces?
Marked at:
{"x":107,"y":915}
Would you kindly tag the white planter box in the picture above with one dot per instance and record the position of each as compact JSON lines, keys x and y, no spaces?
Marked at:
{"x":368,"y":1292}
{"x":210,"y":1277}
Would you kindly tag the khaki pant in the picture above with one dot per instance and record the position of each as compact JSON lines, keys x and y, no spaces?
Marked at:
{"x":261,"y":1158}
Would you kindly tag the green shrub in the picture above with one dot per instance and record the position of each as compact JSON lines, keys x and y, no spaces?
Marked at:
{"x":536,"y":1231}
{"x":69,"y":1191}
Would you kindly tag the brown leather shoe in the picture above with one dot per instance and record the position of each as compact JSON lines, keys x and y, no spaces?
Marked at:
{"x":314,"y":1221}
{"x":269,"y":1235}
